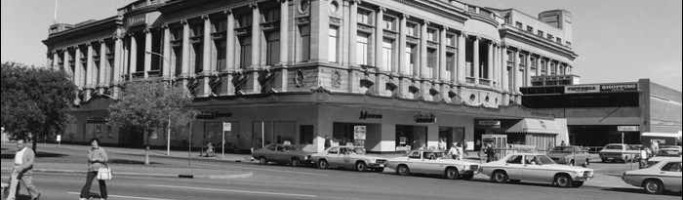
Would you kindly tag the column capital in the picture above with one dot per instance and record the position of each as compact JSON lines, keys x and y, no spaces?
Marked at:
{"x":355,"y":1}
{"x":164,"y":26}
{"x":253,"y":5}
{"x":183,"y":22}
{"x":205,"y":17}
{"x":146,"y":30}
{"x":381,"y":9}
{"x":227,"y":11}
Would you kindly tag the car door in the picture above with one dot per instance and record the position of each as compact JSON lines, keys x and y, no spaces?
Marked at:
{"x":333,"y":157}
{"x":671,"y":175}
{"x":345,"y":155}
{"x":535,"y":171}
{"x":513,"y":167}
{"x":414,"y":162}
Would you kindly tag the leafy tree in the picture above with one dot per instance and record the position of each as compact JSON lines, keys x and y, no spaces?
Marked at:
{"x":150,"y":105}
{"x":35,"y":100}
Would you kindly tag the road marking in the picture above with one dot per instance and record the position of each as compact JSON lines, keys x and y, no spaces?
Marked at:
{"x":234,"y":191}
{"x":268,"y":170}
{"x":125,"y":197}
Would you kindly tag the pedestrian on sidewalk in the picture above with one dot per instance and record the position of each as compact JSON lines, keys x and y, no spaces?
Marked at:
{"x":23,"y":171}
{"x":97,"y":158}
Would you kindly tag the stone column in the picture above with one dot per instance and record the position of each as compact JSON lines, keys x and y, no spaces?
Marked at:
{"x":230,"y":51}
{"x":475,"y":60}
{"x":284,"y":44}
{"x":403,"y":59}
{"x":515,"y":72}
{"x":118,"y":56}
{"x":88,"y":75}
{"x":66,"y":66}
{"x":167,"y":71}
{"x":256,"y":48}
{"x":148,"y":52}
{"x":104,"y":70}
{"x":133,"y":57}
{"x":55,"y":60}
{"x":186,"y":51}
{"x":353,"y":33}
{"x":442,"y":56}
{"x":527,"y":70}
{"x":423,"y":51}
{"x":462,"y":62}
{"x":379,"y":40}
{"x":207,"y":67}
{"x":78,"y":67}
{"x":504,"y":70}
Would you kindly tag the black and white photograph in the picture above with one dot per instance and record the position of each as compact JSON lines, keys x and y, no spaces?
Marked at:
{"x":341,"y":99}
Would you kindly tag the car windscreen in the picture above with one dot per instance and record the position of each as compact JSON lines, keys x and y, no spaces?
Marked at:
{"x":540,"y":160}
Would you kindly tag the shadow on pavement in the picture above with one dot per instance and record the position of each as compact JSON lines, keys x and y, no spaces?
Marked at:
{"x":638,"y":191}
{"x":130,"y":162}
{"x":39,"y":155}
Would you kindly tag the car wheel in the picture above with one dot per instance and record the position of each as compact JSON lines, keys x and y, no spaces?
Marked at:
{"x":403,"y":170}
{"x":563,"y":180}
{"x":452,"y":173}
{"x":499,"y":177}
{"x":577,"y":184}
{"x":323,"y":164}
{"x":653,"y":187}
{"x":295,"y":162}
{"x":263,"y":161}
{"x":361,"y":166}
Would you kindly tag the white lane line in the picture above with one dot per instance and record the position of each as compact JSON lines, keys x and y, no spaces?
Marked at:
{"x":125,"y":197}
{"x":234,"y":191}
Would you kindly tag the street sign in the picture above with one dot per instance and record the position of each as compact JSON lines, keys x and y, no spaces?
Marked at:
{"x":627,"y":128}
{"x":359,"y":132}
{"x":227,"y":126}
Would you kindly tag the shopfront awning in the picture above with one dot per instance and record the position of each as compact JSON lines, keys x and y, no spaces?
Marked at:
{"x":538,"y":126}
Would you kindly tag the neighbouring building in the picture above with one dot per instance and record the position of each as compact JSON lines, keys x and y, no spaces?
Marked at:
{"x":398,"y":74}
{"x":603,"y":113}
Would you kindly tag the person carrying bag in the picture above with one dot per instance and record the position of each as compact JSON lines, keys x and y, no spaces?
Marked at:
{"x":97,"y":168}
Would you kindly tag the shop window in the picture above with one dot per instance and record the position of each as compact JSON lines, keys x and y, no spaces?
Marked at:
{"x":306,"y":134}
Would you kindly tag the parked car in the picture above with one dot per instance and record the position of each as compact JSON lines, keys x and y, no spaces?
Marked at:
{"x":655,"y":179}
{"x":282,"y":154}
{"x":619,"y":152}
{"x":570,"y":155}
{"x":669,"y":151}
{"x":536,"y":168}
{"x":349,"y":158}
{"x":433,"y":162}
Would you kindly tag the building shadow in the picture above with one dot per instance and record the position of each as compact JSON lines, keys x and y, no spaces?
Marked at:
{"x":639,"y":191}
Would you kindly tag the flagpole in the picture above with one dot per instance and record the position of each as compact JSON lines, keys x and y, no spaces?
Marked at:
{"x":56,"y":8}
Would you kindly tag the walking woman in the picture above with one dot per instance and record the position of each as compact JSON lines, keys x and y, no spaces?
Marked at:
{"x":97,"y":158}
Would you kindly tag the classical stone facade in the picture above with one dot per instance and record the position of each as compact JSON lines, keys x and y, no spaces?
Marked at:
{"x":441,"y":57}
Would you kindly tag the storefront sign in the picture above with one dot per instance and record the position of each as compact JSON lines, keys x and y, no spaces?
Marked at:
{"x":575,"y":89}
{"x":367,"y":115}
{"x":627,"y":128}
{"x":425,"y":118}
{"x":359,"y":132}
{"x":631,"y":87}
{"x":489,"y":123}
{"x":212,"y":115}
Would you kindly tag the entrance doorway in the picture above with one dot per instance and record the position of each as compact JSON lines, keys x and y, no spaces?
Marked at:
{"x":410,"y":137}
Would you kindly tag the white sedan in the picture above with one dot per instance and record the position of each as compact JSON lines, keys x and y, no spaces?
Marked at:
{"x":535,"y":168}
{"x":662,"y":175}
{"x":348,"y":157}
{"x":433,"y":162}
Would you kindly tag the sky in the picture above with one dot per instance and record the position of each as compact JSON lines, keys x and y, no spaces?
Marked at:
{"x":616,"y":40}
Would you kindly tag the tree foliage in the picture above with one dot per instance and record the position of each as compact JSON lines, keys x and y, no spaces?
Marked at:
{"x":150,"y":104}
{"x":35,"y":100}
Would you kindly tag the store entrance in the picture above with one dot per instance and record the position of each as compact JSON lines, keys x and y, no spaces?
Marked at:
{"x":410,"y":137}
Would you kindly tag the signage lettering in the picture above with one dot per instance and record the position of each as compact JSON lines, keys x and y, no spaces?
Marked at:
{"x":619,"y":87}
{"x":366,"y":115}
{"x":574,"y":89}
{"x":425,"y":118}
{"x":627,"y":128}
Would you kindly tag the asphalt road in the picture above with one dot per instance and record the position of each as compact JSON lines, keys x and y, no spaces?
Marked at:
{"x":284,"y":182}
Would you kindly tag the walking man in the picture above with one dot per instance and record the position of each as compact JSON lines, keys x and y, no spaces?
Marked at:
{"x":23,"y":171}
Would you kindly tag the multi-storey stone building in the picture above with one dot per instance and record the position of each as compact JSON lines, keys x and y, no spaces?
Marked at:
{"x":312,"y":71}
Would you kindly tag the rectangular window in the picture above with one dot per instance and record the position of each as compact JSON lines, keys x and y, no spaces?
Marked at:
{"x":245,"y":52}
{"x":219,"y":26}
{"x":544,"y":67}
{"x":432,"y":35}
{"x":410,"y":59}
{"x":364,"y":17}
{"x":550,"y":37}
{"x":518,"y":25}
{"x":540,"y":33}
{"x":220,"y":51}
{"x":243,"y":20}
{"x":450,"y":40}
{"x":553,"y":69}
{"x":363,"y":48}
{"x":529,"y":29}
{"x":390,"y":23}
{"x":387,"y":54}
{"x":534,"y":66}
{"x":197,"y":30}
{"x":450,"y":61}
{"x":304,"y":44}
{"x":432,"y":59}
{"x":333,"y":43}
{"x":271,"y":15}
{"x":198,"y":51}
{"x":411,"y":30}
{"x":272,"y":48}
{"x":558,"y":40}
{"x":178,"y":60}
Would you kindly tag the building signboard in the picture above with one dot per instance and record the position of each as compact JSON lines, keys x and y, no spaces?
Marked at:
{"x":359,"y":132}
{"x":425,"y":118}
{"x":630,"y":87}
{"x":627,"y":128}
{"x":367,"y":115}
{"x":576,"y":89}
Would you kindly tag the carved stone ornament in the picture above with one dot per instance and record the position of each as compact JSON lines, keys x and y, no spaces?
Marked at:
{"x":299,"y":78}
{"x":336,"y":79}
